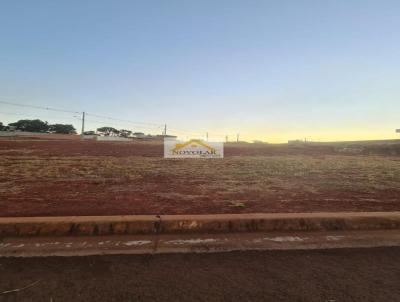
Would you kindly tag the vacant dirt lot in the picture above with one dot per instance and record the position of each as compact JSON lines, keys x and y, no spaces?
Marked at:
{"x":103,"y":178}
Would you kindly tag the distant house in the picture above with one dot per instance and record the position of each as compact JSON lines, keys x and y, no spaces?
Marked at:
{"x":90,"y":133}
{"x":162,"y":136}
{"x":296,"y":142}
{"x":138,"y":135}
{"x":141,"y":135}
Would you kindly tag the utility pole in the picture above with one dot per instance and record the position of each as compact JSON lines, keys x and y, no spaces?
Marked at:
{"x":165,"y":129}
{"x":226,"y":138}
{"x":207,"y":136}
{"x":83,"y":123}
{"x":237,"y":137}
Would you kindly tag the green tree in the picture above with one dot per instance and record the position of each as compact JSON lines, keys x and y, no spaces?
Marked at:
{"x":62,"y":129}
{"x":108,"y":131}
{"x":31,"y":125}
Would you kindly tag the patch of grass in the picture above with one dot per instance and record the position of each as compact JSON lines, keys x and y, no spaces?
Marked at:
{"x":236,"y":204}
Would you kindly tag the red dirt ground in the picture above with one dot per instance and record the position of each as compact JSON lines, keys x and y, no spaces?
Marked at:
{"x":143,"y":148}
{"x":56,"y":178}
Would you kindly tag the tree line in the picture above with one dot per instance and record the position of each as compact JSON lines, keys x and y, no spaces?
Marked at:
{"x":39,"y":126}
{"x":110,"y":131}
{"x":44,"y":127}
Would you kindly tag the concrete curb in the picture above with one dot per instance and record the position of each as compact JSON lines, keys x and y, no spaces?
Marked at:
{"x":175,"y":224}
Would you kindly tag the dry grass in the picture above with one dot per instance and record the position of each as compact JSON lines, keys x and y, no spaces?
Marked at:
{"x":94,"y":178}
{"x":229,"y":176}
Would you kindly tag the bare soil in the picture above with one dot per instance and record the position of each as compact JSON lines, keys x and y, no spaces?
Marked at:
{"x":56,"y":178}
{"x":306,"y":276}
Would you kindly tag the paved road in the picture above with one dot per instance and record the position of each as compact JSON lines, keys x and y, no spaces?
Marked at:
{"x":370,"y":274}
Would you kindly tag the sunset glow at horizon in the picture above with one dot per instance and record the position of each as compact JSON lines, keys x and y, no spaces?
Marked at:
{"x":271,"y":71}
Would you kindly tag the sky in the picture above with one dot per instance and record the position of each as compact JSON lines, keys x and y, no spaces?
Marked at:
{"x":268,"y":70}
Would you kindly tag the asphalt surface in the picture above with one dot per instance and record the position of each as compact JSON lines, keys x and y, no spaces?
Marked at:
{"x":371,"y":274}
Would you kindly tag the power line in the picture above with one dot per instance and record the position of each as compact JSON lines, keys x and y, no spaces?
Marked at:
{"x":185,"y":132}
{"x":92,"y":121}
{"x":108,"y":118}
{"x":78,"y":119}
{"x":122,"y":120}
{"x":38,"y":107}
{"x":202,"y":134}
{"x":77,"y":112}
{"x":31,"y":115}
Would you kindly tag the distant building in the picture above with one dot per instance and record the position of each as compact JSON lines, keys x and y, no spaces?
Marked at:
{"x":138,"y":135}
{"x":162,"y":136}
{"x":113,"y":139}
{"x":141,"y":135}
{"x":296,"y":142}
{"x":90,"y":133}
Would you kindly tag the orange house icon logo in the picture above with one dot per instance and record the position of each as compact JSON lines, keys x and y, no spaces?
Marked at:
{"x":194,"y":143}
